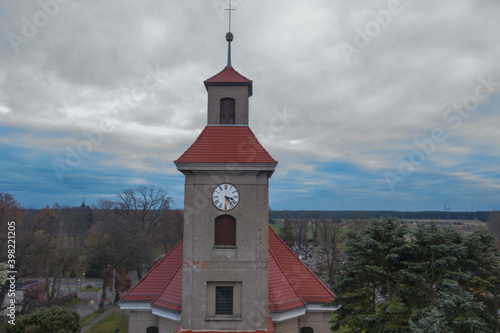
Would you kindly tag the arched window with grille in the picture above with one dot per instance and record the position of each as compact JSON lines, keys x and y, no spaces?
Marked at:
{"x":306,"y":330}
{"x":227,"y":111}
{"x":225,"y":231}
{"x":152,"y":329}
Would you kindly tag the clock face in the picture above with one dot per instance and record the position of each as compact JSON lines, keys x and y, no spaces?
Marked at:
{"x":225,"y":197}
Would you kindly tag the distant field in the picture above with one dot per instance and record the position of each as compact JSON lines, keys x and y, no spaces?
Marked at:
{"x":459,"y":225}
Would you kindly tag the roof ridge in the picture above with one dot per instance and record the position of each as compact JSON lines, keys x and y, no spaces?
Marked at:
{"x":185,"y":152}
{"x":281,"y":268}
{"x":304,"y":265}
{"x":166,"y":285}
{"x":260,"y":144}
{"x":229,"y":68}
{"x":152,"y":269}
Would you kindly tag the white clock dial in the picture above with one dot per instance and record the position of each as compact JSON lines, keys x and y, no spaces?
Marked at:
{"x":225,"y":197}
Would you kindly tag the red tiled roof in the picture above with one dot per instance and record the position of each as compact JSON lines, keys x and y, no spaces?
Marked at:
{"x":291,"y":283}
{"x":229,"y":77}
{"x":171,"y":296}
{"x":155,"y":281}
{"x":307,"y":285}
{"x":226,"y":144}
{"x":282,"y":296}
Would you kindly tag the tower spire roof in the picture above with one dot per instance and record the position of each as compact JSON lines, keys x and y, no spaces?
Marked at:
{"x":229,"y":77}
{"x":229,"y":36}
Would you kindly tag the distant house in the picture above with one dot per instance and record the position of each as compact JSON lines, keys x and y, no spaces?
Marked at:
{"x":29,"y":295}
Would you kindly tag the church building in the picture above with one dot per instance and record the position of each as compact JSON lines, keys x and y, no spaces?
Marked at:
{"x":231,"y":272}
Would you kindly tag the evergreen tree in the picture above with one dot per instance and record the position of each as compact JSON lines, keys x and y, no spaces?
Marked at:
{"x":483,"y":264}
{"x":366,"y":288}
{"x":433,"y":279}
{"x":441,"y":258}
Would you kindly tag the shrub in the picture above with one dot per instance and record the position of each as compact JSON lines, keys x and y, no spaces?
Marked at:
{"x":55,"y":320}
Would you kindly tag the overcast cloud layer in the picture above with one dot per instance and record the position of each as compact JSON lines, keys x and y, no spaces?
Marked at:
{"x":366,"y":105}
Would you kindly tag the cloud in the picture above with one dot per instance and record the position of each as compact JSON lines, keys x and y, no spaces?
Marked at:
{"x":92,"y":63}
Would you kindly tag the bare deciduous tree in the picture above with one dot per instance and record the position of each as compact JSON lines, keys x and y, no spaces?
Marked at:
{"x":302,"y":229}
{"x":170,"y":231}
{"x":287,"y":231}
{"x":109,"y":246}
{"x":358,"y":222}
{"x":10,"y":210}
{"x":331,"y":233}
{"x":142,"y":210}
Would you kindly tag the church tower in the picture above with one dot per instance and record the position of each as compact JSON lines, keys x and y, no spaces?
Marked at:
{"x":231,"y":272}
{"x":225,"y":250}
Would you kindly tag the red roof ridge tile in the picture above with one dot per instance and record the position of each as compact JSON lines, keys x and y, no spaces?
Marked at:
{"x":186,"y":151}
{"x":271,"y":252}
{"x":228,"y":72}
{"x":228,"y":76}
{"x":302,"y":264}
{"x":158,"y":298}
{"x":129,"y":294}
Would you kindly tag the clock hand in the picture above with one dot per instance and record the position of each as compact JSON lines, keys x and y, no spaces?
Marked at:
{"x":229,"y":200}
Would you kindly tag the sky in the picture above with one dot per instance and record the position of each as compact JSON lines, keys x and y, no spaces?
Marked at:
{"x":366,"y":105}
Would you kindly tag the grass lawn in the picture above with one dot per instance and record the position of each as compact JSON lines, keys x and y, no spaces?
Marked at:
{"x":89,"y":318}
{"x":114,"y":321}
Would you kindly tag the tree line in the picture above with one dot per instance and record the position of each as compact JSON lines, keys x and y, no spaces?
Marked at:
{"x":126,"y":233}
{"x":347,"y":214}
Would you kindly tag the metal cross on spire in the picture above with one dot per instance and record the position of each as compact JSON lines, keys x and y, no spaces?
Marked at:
{"x":229,"y":37}
{"x":230,"y":10}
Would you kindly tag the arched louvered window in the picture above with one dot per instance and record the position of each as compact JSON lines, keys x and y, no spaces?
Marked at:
{"x":225,"y":231}
{"x":227,"y":111}
{"x":306,"y":330}
{"x":152,"y":329}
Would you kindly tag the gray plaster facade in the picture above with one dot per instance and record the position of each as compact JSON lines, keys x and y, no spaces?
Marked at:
{"x":241,"y":96}
{"x":244,"y":266}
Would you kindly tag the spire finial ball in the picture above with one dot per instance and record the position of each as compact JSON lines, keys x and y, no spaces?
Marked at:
{"x":229,"y":36}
